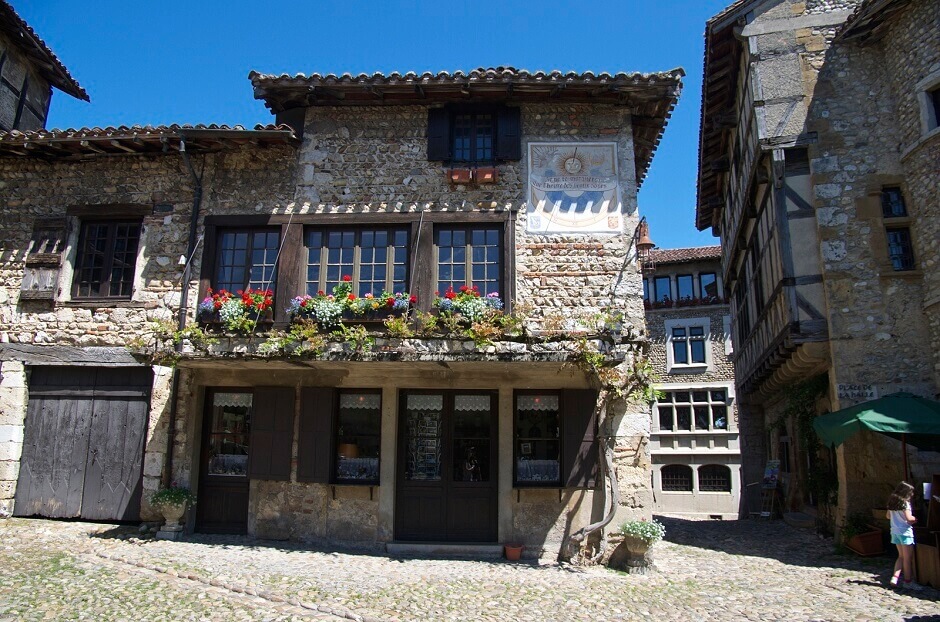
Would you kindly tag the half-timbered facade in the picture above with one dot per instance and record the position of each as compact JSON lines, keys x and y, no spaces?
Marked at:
{"x":801,"y":175}
{"x":519,"y":185}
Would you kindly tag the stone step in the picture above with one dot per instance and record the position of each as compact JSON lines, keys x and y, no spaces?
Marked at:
{"x":456,"y":550}
{"x":800,"y":520}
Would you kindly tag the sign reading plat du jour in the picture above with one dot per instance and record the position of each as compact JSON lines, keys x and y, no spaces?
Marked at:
{"x":573,"y":188}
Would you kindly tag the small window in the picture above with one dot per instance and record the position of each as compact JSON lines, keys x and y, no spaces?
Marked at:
{"x":358,"y":434}
{"x":676,"y":478}
{"x":708,"y":285}
{"x":714,"y":478}
{"x":537,"y":438}
{"x":646,"y":290}
{"x":892,"y":203}
{"x":473,"y":135}
{"x":684,"y":287}
{"x":933,"y":97}
{"x":661,"y":286}
{"x":470,"y":256}
{"x":229,"y":434}
{"x":688,"y":342}
{"x":900,"y":249}
{"x":246,"y":259}
{"x":107,"y":255}
{"x":679,"y":410}
{"x":375,"y":259}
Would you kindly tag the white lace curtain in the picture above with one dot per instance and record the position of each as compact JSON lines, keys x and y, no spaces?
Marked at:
{"x":538,"y":402}
{"x":232,"y":399}
{"x":360,"y":401}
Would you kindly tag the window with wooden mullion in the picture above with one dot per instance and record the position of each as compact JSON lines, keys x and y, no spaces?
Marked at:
{"x":374,"y":259}
{"x":470,"y":256}
{"x":107,"y":256}
{"x":246,"y":259}
{"x":473,"y":137}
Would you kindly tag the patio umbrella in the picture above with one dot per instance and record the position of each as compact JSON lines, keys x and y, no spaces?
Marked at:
{"x":903,"y":416}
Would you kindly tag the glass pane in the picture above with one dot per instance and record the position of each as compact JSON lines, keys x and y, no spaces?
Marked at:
{"x":699,"y":396}
{"x":680,"y":354}
{"x":357,"y":436}
{"x":683,"y":418}
{"x":536,"y":438}
{"x":684,"y":286}
{"x":471,"y":444}
{"x":471,"y":460}
{"x":662,"y":288}
{"x":665,"y":417}
{"x":701,"y":417}
{"x":229,"y":434}
{"x":423,"y":418}
{"x":718,"y":396}
{"x":698,"y":350}
{"x":720,"y":416}
{"x":708,"y":285}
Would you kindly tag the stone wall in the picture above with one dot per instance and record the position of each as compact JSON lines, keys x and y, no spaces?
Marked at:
{"x":12,"y":416}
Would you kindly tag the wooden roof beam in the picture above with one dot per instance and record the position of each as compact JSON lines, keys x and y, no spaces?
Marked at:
{"x":87,"y":144}
{"x":120,"y":145}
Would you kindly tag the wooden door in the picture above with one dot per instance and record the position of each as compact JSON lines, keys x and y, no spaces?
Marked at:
{"x":83,"y":443}
{"x":447,"y":472}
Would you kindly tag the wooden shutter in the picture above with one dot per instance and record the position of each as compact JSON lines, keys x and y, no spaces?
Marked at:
{"x":509,"y":134}
{"x":438,"y":134}
{"x":272,"y":433}
{"x":579,"y":439}
{"x":315,"y":444}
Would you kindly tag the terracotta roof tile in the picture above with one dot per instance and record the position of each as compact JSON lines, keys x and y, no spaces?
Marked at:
{"x":48,"y":64}
{"x":685,"y":255}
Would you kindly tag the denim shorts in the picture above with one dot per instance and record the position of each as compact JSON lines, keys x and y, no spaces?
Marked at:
{"x":901,"y":539}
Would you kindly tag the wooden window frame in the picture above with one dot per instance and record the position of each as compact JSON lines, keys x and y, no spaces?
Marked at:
{"x":516,"y":440}
{"x":903,"y":261}
{"x":291,"y":265}
{"x":207,"y":432}
{"x":358,"y":230}
{"x":507,"y":134}
{"x":468,"y":261}
{"x":251,"y":232}
{"x":82,"y":256}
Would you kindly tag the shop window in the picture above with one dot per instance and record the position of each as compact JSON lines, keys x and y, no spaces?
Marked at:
{"x":469,"y":256}
{"x":229,"y":434}
{"x":676,"y":478}
{"x":554,"y":438}
{"x":106,"y":258}
{"x":358,"y":434}
{"x":375,"y":259}
{"x":246,"y":259}
{"x":714,"y":478}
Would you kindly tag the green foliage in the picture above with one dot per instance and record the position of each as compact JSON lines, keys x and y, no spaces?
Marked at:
{"x":821,"y":480}
{"x":650,"y":532}
{"x":174,"y":495}
{"x":304,"y":337}
{"x":357,"y":336}
{"x":855,"y":524}
{"x":484,"y":332}
{"x":398,"y":327}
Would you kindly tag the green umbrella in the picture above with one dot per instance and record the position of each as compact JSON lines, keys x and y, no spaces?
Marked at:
{"x":900,"y":415}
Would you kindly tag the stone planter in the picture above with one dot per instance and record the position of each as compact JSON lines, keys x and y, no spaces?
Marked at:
{"x":172,"y":514}
{"x":630,"y":555}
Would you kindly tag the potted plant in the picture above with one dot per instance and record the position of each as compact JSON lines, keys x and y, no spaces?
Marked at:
{"x":638,"y":536}
{"x":172,"y":503}
{"x":513,"y":552}
{"x":859,"y":536}
{"x":240,"y":312}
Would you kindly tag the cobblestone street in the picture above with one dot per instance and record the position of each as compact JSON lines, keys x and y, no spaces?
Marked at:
{"x":706,"y":571}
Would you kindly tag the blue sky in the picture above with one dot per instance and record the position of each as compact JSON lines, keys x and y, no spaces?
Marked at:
{"x":169,"y":61}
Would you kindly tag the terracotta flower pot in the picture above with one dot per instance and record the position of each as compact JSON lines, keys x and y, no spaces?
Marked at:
{"x":866,"y":544}
{"x":513,"y":552}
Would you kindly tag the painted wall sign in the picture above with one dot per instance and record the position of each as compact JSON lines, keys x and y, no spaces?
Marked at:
{"x":573,"y":188}
{"x":855,"y":393}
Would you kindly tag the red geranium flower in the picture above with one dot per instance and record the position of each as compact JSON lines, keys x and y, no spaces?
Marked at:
{"x":413,"y":299}
{"x":352,"y":296}
{"x":347,"y":278}
{"x":321,"y":293}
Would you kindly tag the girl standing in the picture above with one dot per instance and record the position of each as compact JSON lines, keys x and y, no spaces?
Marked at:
{"x":902,"y":535}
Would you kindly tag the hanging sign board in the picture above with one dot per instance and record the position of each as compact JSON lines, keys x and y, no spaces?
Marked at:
{"x":771,"y":474}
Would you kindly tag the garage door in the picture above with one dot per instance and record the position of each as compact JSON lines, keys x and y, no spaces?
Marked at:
{"x":83,"y":443}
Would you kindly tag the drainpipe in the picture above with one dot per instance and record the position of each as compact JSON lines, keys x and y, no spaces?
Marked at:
{"x":184,"y":303}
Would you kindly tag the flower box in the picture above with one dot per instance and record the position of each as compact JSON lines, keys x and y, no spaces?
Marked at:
{"x":866,"y":544}
{"x":485,"y":175}
{"x":459,"y":175}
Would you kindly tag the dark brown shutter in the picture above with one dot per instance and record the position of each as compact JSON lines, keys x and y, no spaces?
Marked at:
{"x":272,"y":433}
{"x":438,"y":134}
{"x":315,"y":445}
{"x":508,"y":134}
{"x":579,"y":441}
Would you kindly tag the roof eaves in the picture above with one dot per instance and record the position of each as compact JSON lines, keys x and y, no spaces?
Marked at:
{"x":24,"y":36}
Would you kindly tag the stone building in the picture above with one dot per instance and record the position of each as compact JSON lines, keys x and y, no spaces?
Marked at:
{"x":818,"y":170}
{"x":28,"y":71}
{"x":522,"y":185}
{"x":694,"y":446}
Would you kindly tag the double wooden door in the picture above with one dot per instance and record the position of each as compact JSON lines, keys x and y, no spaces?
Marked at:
{"x":83,"y":443}
{"x":447,"y":467}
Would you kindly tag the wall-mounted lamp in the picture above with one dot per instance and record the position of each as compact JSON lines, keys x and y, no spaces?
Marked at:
{"x":643,"y":243}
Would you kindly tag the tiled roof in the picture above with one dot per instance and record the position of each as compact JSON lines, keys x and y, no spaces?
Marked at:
{"x":868,"y":19}
{"x":49,"y":66}
{"x":138,"y":139}
{"x":685,"y":255}
{"x":650,"y":96}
